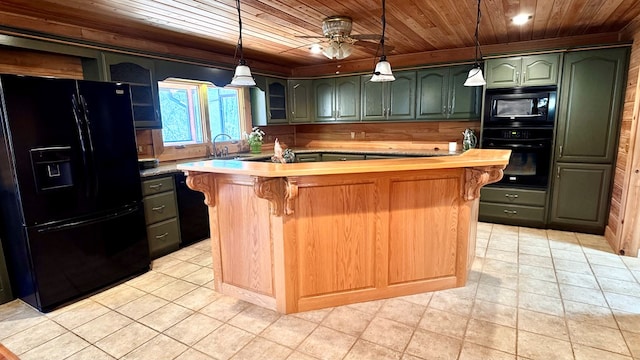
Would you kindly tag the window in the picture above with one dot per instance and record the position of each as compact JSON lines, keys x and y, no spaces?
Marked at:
{"x":195,"y":112}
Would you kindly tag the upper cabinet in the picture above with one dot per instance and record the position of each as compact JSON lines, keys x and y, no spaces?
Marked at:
{"x":532,"y":70}
{"x":390,"y":100}
{"x":337,"y":99}
{"x":139,"y":73}
{"x":269,"y":101}
{"x":300,"y":101}
{"x":442,"y":95}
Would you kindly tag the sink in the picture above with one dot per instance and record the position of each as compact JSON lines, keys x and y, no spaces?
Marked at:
{"x":238,"y":156}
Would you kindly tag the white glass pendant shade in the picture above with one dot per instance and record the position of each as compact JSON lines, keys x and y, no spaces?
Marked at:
{"x":242,"y":76}
{"x":475,"y":77}
{"x":382,"y":71}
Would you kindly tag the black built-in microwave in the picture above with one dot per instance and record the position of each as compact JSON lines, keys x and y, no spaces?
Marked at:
{"x":520,"y":107}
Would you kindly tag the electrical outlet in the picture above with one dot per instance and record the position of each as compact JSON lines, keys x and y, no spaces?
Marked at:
{"x":353,"y":135}
{"x":140,"y":149}
{"x":363,"y":134}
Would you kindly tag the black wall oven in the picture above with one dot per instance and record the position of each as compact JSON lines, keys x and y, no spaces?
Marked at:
{"x":529,"y":164}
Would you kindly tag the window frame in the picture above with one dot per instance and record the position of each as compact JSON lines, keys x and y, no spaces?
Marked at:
{"x":205,"y":149}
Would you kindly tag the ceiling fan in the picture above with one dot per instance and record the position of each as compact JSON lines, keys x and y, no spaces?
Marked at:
{"x":336,"y":32}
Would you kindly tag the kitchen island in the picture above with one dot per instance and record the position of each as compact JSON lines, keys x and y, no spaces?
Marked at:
{"x":302,"y":236}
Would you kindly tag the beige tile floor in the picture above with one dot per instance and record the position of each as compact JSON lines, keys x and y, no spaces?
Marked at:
{"x":532,"y":294}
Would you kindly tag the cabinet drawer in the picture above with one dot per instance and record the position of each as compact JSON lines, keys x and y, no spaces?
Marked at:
{"x":159,"y":207}
{"x":511,"y":214}
{"x":157,"y":185}
{"x":513,"y":196}
{"x":164,"y":237}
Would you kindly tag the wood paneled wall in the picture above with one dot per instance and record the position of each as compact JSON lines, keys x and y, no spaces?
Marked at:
{"x":36,"y":63}
{"x":623,"y":227}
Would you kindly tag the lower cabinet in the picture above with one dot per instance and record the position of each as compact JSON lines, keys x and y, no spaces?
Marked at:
{"x":161,"y":215}
{"x":513,"y":206}
{"x":580,"y":196}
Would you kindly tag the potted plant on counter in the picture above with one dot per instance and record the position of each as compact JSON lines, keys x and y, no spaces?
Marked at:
{"x":255,"y":140}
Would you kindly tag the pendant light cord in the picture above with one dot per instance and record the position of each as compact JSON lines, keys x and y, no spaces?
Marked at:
{"x":384,"y":25}
{"x":239,"y":46}
{"x":478,"y":51}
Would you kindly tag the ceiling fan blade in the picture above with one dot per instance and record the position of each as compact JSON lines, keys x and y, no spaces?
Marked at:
{"x":311,"y":37}
{"x":366,"y":37}
{"x":373,"y":46}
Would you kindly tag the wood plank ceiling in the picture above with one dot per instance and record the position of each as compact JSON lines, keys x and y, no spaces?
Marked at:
{"x":272,"y":28}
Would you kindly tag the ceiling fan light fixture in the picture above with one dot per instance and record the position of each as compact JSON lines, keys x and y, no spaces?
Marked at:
{"x":383,"y":71}
{"x":331,"y":50}
{"x":344,"y":50}
{"x":475,"y":77}
{"x":242,"y":75}
{"x":316,"y":49}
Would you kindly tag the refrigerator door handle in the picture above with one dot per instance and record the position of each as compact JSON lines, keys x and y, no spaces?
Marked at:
{"x":85,"y":113}
{"x":83,"y":148}
{"x":74,"y":224}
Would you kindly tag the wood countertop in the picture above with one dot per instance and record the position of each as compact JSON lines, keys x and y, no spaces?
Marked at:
{"x":470,"y":158}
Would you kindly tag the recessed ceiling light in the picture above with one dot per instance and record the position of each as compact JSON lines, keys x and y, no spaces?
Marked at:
{"x":316,"y":48}
{"x":521,"y":19}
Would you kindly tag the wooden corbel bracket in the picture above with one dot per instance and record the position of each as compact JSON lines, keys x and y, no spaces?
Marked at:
{"x":280,"y":192}
{"x":477,"y":177}
{"x":204,"y":183}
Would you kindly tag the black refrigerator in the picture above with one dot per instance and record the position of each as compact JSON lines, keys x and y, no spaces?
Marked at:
{"x":72,"y":216}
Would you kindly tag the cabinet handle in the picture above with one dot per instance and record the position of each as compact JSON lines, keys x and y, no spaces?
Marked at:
{"x":558,"y":172}
{"x":517,"y":77}
{"x":511,"y":212}
{"x":155,"y":186}
{"x":511,"y":196}
{"x":560,"y":150}
{"x":158,"y":208}
{"x":162,"y":236}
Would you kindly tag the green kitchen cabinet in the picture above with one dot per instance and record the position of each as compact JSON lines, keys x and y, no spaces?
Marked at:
{"x":580,"y":197}
{"x":589,"y":111}
{"x":268,"y":101}
{"x":441,"y":95}
{"x":590,"y":105}
{"x":276,"y":101}
{"x":531,"y":70}
{"x":300,"y":101}
{"x":389,"y":100}
{"x":337,"y":99}
{"x":513,"y":206}
{"x":139,"y":73}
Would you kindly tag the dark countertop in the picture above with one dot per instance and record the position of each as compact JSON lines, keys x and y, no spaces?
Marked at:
{"x":170,"y":167}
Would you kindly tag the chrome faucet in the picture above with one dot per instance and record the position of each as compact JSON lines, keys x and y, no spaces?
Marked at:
{"x":223,"y":152}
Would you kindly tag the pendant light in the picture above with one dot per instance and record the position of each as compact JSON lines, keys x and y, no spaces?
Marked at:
{"x":475,"y":77}
{"x":242,"y":76}
{"x":382,"y":71}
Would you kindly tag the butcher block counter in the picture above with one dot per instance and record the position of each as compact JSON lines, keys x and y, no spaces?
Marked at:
{"x":302,"y":236}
